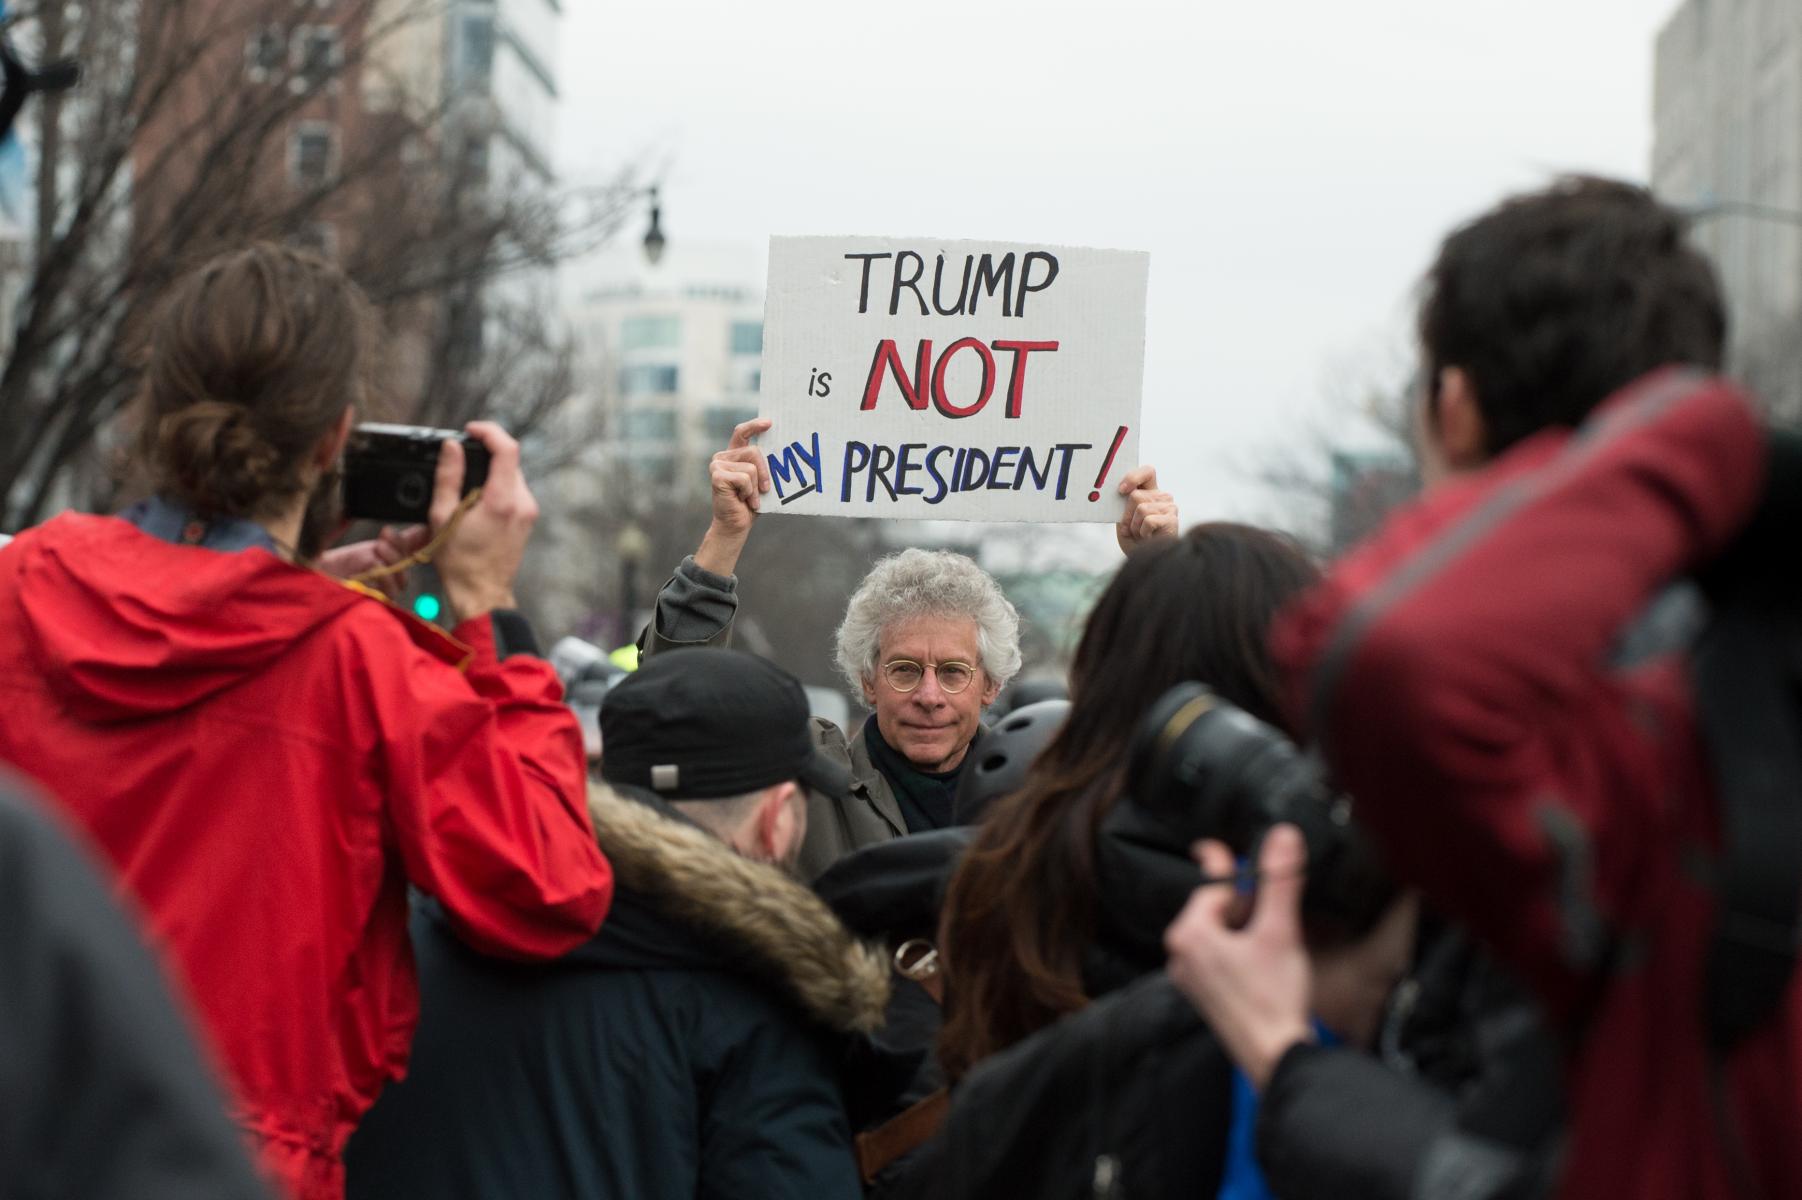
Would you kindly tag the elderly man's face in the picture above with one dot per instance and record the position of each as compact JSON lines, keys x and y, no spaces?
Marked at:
{"x":930,"y":726}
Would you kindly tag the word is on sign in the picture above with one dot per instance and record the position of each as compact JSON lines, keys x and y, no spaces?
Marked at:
{"x":978,"y":381}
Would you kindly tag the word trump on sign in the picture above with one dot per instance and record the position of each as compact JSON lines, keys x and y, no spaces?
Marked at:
{"x":975,"y":381}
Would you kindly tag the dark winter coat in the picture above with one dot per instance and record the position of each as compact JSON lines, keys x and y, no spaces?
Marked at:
{"x":1131,"y":1097}
{"x":892,"y":893}
{"x":1468,"y":1104}
{"x":687,"y":1051}
{"x":104,"y":1090}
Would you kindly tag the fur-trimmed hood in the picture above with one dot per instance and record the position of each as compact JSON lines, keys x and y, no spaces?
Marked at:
{"x":746,"y":915}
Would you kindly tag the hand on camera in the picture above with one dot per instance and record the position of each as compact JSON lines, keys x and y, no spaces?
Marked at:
{"x":1251,"y":983}
{"x":1150,"y":513}
{"x":481,"y":558}
{"x":388,"y":548}
{"x":739,"y":477}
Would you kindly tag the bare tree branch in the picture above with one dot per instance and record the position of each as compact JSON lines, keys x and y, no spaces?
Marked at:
{"x":179,"y":146}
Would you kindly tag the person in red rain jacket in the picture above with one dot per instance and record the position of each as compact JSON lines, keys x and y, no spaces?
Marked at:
{"x":1479,"y":676}
{"x":270,"y":757}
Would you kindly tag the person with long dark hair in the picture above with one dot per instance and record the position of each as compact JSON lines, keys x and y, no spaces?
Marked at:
{"x":1060,"y":907}
{"x":1021,"y":916}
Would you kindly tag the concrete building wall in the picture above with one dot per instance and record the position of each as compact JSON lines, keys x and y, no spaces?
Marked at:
{"x":502,"y":64}
{"x":406,"y":68}
{"x":1727,"y":130}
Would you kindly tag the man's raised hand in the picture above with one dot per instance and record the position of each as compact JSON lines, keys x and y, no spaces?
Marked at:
{"x":1150,"y":513}
{"x":738,"y":476}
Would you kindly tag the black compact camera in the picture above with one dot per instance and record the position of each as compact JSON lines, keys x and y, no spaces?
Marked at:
{"x":389,"y":471}
{"x":1200,"y":767}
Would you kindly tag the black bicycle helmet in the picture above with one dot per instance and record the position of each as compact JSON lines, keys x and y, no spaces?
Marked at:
{"x":1002,"y":756}
{"x":1022,"y":692}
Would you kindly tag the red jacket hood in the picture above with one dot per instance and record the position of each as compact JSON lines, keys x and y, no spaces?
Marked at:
{"x":124,"y":625}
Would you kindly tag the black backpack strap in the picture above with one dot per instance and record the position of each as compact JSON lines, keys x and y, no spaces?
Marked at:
{"x":1747,"y":704}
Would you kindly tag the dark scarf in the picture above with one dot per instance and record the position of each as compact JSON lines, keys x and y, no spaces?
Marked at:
{"x":927,"y":798}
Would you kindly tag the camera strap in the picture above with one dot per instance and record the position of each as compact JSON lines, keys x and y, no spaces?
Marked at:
{"x":423,"y":555}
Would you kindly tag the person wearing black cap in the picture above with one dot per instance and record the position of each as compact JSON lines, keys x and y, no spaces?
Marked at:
{"x":689,"y":1049}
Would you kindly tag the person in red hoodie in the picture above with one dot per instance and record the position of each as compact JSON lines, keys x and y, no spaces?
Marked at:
{"x":1504,"y":678}
{"x":269,"y":757}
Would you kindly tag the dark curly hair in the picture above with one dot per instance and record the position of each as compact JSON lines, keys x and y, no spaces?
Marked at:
{"x":1556,"y":299}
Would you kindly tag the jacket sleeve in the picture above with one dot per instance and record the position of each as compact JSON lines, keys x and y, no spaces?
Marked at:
{"x":829,"y":836}
{"x":695,"y":608}
{"x":1336,"y":1122}
{"x":774,"y":1124}
{"x":487,"y":788}
{"x":1454,"y":670}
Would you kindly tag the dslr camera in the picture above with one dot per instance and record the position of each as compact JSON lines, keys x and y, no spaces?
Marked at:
{"x":389,"y":471}
{"x":1200,"y":767}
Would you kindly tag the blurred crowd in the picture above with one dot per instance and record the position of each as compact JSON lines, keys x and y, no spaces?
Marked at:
{"x":1467,"y":866}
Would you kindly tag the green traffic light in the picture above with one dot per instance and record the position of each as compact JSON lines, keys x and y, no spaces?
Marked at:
{"x":427,"y":606}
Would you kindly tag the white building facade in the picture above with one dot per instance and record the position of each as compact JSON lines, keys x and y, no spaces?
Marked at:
{"x":502,"y":66}
{"x":1727,"y":144}
{"x":672,"y":356}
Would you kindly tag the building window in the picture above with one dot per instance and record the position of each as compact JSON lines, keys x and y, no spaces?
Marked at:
{"x":647,"y":381}
{"x":717,"y":424}
{"x":477,"y":60}
{"x":264,"y":53}
{"x":476,"y":155}
{"x":650,"y":333}
{"x":319,"y":237}
{"x":649,"y":425}
{"x":318,"y":57}
{"x":313,"y":154}
{"x":659,"y":471}
{"x":747,"y":337}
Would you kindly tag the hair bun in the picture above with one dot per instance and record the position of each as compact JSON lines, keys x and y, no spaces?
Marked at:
{"x":216,"y":459}
{"x":252,"y":361}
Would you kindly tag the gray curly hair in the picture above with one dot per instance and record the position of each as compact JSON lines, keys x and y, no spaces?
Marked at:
{"x":927,"y":583}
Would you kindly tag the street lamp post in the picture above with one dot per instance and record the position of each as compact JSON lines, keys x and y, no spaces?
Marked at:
{"x":653,"y":237}
{"x":633,"y":549}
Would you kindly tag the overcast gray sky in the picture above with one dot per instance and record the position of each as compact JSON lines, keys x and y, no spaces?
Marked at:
{"x":1289,"y":166}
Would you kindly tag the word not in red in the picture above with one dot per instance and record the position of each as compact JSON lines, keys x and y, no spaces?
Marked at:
{"x":982,"y":274}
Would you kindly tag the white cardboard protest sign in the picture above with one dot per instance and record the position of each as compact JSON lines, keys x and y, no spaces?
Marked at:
{"x":978,"y":381}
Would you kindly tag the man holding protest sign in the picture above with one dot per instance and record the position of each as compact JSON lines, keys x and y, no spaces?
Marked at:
{"x":928,"y":639}
{"x":1012,"y":399}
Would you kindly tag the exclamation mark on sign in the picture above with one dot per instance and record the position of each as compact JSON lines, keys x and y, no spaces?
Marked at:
{"x":1108,"y":465}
